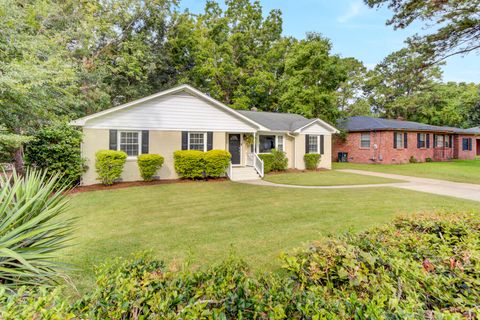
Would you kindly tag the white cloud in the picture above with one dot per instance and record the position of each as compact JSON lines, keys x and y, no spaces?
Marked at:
{"x":354,"y":9}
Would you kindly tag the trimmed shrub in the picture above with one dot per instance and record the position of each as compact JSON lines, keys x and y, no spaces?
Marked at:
{"x":280,"y":161}
{"x":419,"y":267}
{"x":412,"y":159}
{"x":428,"y":159}
{"x":189,"y":164}
{"x":268,"y":159}
{"x":109,"y":165}
{"x":312,"y":160}
{"x":148,"y":164}
{"x":216,"y":162}
{"x":56,"y":149}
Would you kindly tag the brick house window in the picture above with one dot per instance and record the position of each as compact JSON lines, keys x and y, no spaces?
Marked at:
{"x":365,"y":140}
{"x":467,"y":144}
{"x":439,"y":141}
{"x":399,"y":141}
{"x":421,"y":140}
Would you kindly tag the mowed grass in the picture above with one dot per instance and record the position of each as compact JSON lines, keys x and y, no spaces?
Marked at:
{"x":205,"y":222}
{"x":458,"y":171}
{"x":325,"y":178}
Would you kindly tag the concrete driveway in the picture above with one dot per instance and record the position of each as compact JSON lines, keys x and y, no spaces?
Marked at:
{"x":446,"y":188}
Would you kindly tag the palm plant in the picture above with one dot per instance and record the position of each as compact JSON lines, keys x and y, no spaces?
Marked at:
{"x":32,"y":228}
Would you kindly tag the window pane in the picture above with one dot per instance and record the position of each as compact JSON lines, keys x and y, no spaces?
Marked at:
{"x":280,"y":143}
{"x":399,"y":139}
{"x":312,"y":144}
{"x":129,"y":143}
{"x":365,"y":140}
{"x":197,"y":141}
{"x":421,"y":140}
{"x":267,"y":143}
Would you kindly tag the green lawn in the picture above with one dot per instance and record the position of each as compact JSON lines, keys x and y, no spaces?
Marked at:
{"x":458,"y":171}
{"x":205,"y":221}
{"x":325,"y":178}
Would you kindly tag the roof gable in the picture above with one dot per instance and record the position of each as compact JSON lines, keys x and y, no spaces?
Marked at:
{"x":167,"y":110}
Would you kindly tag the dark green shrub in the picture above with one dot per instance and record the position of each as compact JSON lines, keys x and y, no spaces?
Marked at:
{"x":109,"y":165}
{"x":216,"y":162}
{"x":268,"y":159}
{"x":312,"y":160}
{"x":412,"y":159}
{"x":189,"y":164}
{"x":280,"y":161}
{"x":428,"y":159}
{"x":148,"y":164}
{"x":56,"y":149}
{"x":419,"y":267}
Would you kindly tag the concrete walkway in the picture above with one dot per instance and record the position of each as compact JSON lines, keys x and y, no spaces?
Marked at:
{"x":441,"y":187}
{"x":467,"y":191}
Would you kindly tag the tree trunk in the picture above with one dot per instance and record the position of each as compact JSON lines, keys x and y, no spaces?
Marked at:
{"x":18,"y":158}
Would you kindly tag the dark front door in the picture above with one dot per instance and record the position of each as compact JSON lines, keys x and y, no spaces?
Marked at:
{"x":234,"y":147}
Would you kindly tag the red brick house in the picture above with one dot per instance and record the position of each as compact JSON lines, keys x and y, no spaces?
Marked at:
{"x":375,"y":140}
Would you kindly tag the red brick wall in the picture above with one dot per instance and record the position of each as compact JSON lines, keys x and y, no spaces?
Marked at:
{"x":465,"y":154}
{"x":385,"y":153}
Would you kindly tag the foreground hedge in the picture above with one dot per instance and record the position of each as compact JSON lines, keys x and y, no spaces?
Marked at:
{"x":423,"y":267}
{"x":109,"y":165}
{"x":148,"y":165}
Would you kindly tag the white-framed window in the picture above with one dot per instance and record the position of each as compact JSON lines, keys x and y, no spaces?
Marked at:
{"x":130,"y":142}
{"x":422,"y":140}
{"x":439,"y":141}
{"x":197,"y":141}
{"x":268,"y":142}
{"x":313,"y":144}
{"x":280,"y":144}
{"x":365,"y":140}
{"x":399,"y":140}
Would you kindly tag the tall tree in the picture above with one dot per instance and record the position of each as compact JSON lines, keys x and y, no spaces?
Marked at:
{"x":351,"y":94}
{"x":457,"y":24}
{"x":395,"y":85}
{"x":38,"y":76}
{"x":311,"y":79}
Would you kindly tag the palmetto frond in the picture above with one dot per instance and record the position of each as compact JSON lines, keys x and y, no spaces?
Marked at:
{"x":32,"y":228}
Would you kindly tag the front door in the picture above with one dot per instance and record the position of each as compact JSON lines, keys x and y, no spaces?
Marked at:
{"x":478,"y":147}
{"x":234,"y":147}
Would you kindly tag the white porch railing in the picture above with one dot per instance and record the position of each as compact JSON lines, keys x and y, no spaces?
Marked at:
{"x":258,"y":164}
{"x":250,"y":158}
{"x":230,"y":170}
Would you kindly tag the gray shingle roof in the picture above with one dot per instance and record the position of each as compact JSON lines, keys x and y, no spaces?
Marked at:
{"x":363,"y":123}
{"x":277,"y":121}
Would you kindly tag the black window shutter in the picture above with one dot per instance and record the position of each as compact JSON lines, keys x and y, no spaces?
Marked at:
{"x":450,"y":143}
{"x":322,"y":141}
{"x":418,"y":140}
{"x":113,"y":140}
{"x":394,"y":140}
{"x":184,"y":140}
{"x":209,"y":141}
{"x":307,"y":138}
{"x":428,"y":140}
{"x":405,"y":140}
{"x":145,"y":141}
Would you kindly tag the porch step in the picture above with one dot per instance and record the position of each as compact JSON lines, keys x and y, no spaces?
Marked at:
{"x":244,"y":173}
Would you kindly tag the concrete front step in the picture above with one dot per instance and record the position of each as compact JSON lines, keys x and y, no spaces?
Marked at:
{"x":244,"y":173}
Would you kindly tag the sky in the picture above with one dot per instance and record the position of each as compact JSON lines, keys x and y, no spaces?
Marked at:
{"x":355,"y":30}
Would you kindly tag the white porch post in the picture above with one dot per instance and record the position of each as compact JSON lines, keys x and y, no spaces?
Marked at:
{"x":254,"y":142}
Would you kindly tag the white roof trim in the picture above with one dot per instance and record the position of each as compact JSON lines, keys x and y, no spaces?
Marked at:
{"x":321,"y":122}
{"x":184,"y":87}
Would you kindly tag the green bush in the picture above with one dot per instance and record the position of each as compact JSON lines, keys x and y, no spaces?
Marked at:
{"x":268,"y":159}
{"x":280,"y":161}
{"x":148,"y":164}
{"x":428,"y":159}
{"x":56,"y":149}
{"x":419,"y":267}
{"x":412,"y":159}
{"x":189,"y":164}
{"x":216,"y":162}
{"x":312,"y":160}
{"x":109,"y":165}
